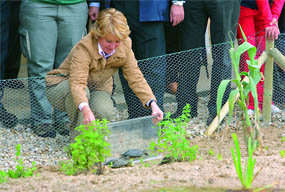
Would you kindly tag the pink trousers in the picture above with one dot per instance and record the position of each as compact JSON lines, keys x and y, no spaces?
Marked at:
{"x":253,"y":28}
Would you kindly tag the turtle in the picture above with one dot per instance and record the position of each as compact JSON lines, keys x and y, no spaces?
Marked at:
{"x":118,"y":162}
{"x":133,"y":153}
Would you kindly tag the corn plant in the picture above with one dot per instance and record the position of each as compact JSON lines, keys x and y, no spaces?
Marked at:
{"x":90,"y":149}
{"x":173,"y":139}
{"x":244,"y":87}
{"x":245,"y":176}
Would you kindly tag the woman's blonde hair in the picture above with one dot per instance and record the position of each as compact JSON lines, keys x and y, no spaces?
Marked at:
{"x":111,"y":21}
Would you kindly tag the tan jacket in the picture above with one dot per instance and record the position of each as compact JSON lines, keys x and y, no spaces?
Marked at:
{"x":85,"y":65}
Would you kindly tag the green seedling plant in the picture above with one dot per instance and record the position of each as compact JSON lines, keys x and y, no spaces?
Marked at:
{"x":244,"y":87}
{"x":283,"y":139}
{"x":211,"y":152}
{"x":173,"y":140}
{"x":220,"y":156}
{"x":282,"y":153}
{"x":3,"y":176}
{"x":245,"y":176}
{"x":90,"y":149}
{"x":20,"y":171}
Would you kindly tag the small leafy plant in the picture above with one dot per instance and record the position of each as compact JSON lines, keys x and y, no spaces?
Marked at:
{"x":220,"y":156}
{"x":90,"y":149}
{"x":247,"y":175}
{"x":20,"y":170}
{"x":173,"y":140}
{"x":3,"y":176}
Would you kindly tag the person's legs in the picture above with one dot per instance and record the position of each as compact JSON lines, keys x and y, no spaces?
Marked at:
{"x":71,"y":25}
{"x":102,"y":105}
{"x":8,"y":120}
{"x":147,"y":41}
{"x":253,"y":28}
{"x":247,"y":23}
{"x":61,"y":99}
{"x":172,"y":41}
{"x":192,"y":36}
{"x":260,"y":46}
{"x":12,"y":64}
{"x":56,"y":96}
{"x":224,"y":16}
{"x":38,"y":33}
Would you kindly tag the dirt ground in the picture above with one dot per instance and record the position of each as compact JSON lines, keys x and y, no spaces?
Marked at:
{"x":207,"y":171}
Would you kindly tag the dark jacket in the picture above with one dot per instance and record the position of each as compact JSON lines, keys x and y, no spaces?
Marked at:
{"x":149,"y":10}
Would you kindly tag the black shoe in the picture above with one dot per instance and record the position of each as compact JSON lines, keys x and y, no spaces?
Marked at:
{"x":44,"y":130}
{"x":62,"y":128}
{"x":8,"y":120}
{"x":210,"y":119}
{"x":50,"y":133}
{"x":175,"y":115}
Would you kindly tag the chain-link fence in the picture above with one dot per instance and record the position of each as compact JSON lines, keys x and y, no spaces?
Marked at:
{"x":39,"y":117}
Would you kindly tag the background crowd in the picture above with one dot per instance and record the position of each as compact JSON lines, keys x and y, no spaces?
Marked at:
{"x":45,"y":31}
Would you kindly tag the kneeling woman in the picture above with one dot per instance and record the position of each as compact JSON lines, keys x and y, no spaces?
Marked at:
{"x":83,"y":84}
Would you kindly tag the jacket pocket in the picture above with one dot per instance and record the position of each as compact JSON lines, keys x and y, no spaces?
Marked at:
{"x":25,"y":43}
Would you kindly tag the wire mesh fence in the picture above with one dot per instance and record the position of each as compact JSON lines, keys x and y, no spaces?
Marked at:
{"x":40,"y":117}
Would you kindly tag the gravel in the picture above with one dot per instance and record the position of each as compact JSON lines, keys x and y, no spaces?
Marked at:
{"x":50,"y":151}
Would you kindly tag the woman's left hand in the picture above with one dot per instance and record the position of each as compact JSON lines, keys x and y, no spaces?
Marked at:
{"x":156,"y":113}
{"x":272,"y":32}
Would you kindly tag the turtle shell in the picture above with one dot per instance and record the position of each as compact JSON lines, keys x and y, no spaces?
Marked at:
{"x":133,"y":153}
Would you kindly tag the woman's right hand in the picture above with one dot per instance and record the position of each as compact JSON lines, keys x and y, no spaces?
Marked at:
{"x":88,"y":116}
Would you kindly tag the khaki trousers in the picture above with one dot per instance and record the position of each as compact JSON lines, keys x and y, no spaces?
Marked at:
{"x":100,"y":103}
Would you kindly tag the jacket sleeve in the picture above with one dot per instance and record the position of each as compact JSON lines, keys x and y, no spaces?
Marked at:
{"x":135,"y":77}
{"x":79,"y":71}
{"x":265,"y":11}
{"x":276,"y":8}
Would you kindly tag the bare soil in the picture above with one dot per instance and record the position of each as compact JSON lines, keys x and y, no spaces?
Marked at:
{"x":206,"y":171}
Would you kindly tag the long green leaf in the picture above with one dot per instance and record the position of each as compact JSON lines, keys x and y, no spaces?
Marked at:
{"x":235,"y":62}
{"x":243,"y":35}
{"x":253,"y":92}
{"x":232,"y":100}
{"x":221,"y":91}
{"x":238,"y":159}
{"x":245,"y":46}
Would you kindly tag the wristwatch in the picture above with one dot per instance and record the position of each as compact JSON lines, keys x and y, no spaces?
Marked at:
{"x":178,"y":3}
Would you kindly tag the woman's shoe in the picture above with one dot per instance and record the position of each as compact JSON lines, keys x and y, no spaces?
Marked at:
{"x":172,"y":88}
{"x":250,"y":112}
{"x":275,"y":109}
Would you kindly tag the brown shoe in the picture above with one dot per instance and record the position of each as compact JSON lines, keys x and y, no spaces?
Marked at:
{"x":172,"y":87}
